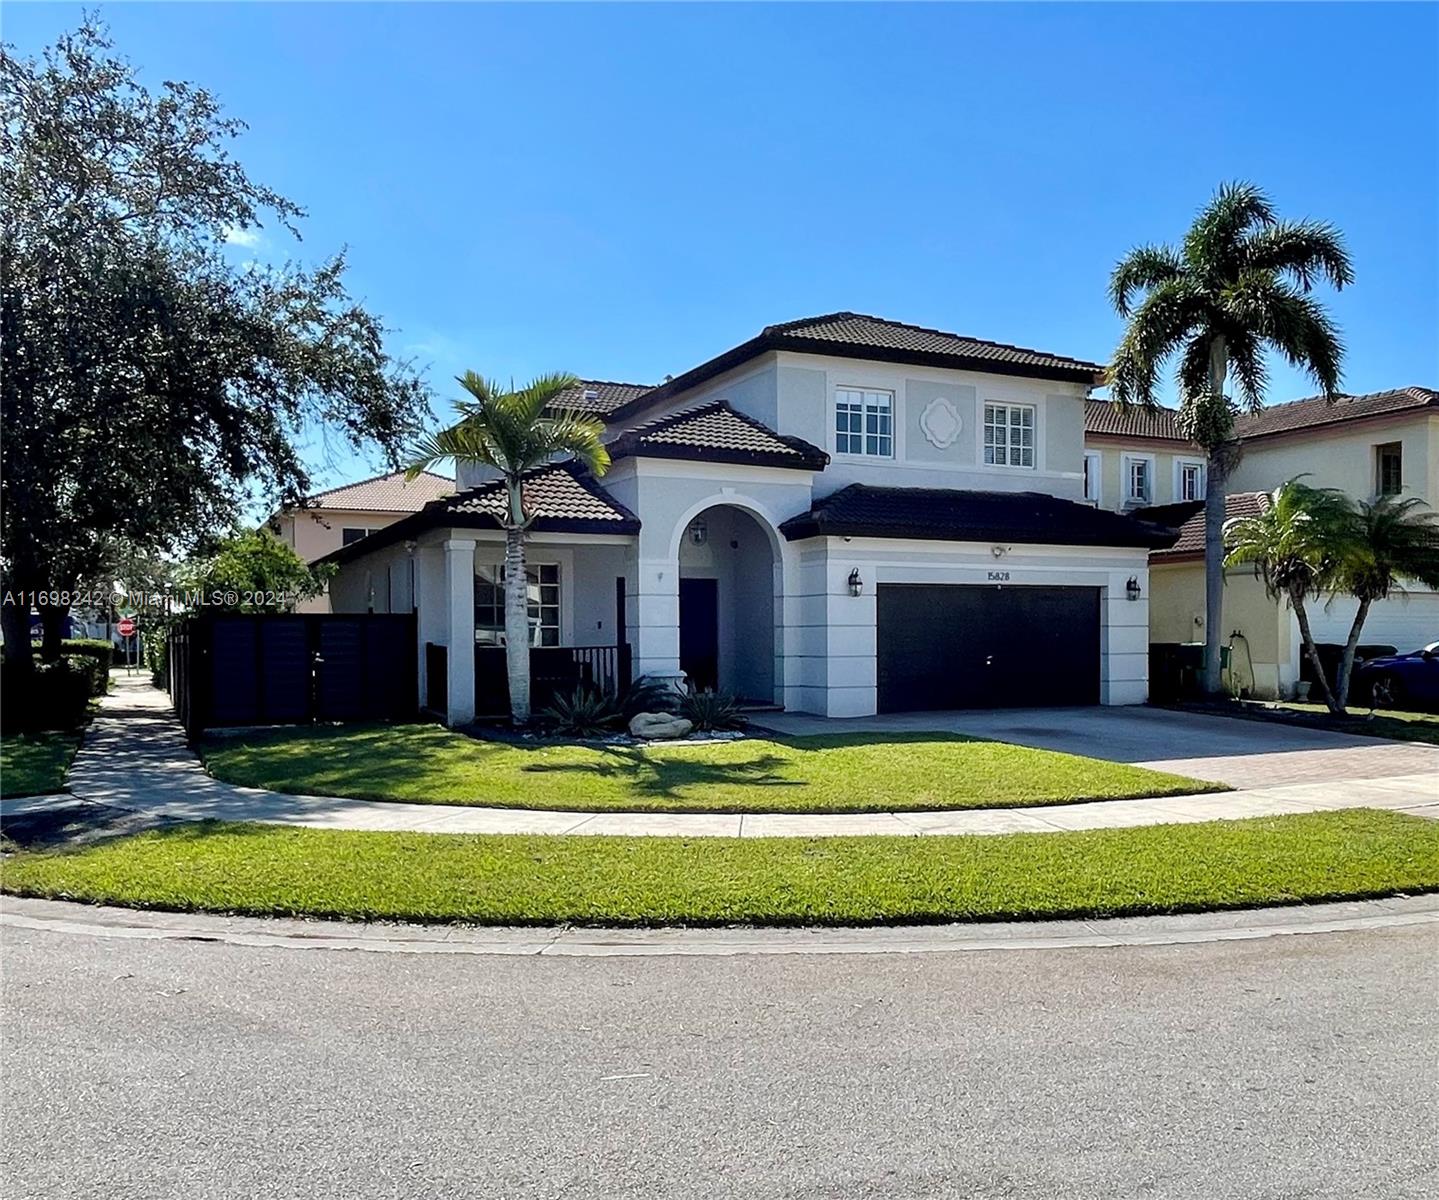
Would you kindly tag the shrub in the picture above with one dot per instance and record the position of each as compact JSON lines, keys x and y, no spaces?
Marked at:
{"x":100,"y":648}
{"x":709,"y":710}
{"x":584,"y":713}
{"x":155,"y":639}
{"x":56,"y":696}
{"x":95,"y":673}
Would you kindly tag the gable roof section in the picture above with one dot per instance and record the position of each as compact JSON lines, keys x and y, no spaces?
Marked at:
{"x":1106,"y":418}
{"x":562,"y":498}
{"x":953,"y":515}
{"x":1187,"y":520}
{"x":714,"y":432}
{"x":385,"y":493}
{"x":1314,"y":412}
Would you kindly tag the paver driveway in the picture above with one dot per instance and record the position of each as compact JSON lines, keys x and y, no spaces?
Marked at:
{"x":1243,"y":754}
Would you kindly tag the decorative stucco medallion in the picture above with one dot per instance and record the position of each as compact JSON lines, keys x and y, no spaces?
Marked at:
{"x":940,"y":422}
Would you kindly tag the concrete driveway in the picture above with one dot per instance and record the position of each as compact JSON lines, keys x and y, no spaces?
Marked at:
{"x":1243,"y":754}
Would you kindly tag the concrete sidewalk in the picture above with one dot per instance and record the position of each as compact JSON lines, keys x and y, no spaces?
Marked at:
{"x":135,"y":758}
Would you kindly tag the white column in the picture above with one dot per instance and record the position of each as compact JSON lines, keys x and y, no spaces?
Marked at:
{"x":460,"y":627}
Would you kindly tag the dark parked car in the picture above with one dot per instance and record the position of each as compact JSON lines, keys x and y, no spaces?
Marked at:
{"x":1401,"y":680}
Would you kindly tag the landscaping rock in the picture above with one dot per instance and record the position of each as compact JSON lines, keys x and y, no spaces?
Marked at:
{"x":654,"y":726}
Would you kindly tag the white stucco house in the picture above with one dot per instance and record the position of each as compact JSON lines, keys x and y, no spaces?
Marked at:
{"x":842,"y":515}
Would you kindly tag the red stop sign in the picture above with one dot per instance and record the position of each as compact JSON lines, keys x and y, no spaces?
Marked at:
{"x":126,"y":626}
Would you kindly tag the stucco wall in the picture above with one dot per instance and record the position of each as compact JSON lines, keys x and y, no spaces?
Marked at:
{"x":1345,"y":458}
{"x":1164,"y":458}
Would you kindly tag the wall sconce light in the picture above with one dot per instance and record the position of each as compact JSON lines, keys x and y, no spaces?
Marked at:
{"x":856,"y":584}
{"x":699,"y":531}
{"x":1131,"y":589}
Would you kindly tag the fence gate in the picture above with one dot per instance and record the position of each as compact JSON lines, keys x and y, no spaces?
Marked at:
{"x":293,"y":668}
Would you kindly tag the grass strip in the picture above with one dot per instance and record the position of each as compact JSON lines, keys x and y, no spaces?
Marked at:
{"x":509,"y":879}
{"x":32,"y":764}
{"x":858,"y":772}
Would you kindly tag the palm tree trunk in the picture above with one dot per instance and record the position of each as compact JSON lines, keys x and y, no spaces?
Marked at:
{"x":517,"y":611}
{"x":1311,"y":650}
{"x":1346,"y":664}
{"x":1214,"y":533}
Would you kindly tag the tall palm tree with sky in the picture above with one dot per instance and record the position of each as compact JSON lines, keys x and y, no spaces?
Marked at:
{"x":515,"y":430}
{"x":1237,"y":288}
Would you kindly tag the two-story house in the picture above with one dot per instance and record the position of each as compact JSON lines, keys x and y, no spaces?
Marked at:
{"x":1369,"y":445}
{"x":343,"y":515}
{"x":841,"y":515}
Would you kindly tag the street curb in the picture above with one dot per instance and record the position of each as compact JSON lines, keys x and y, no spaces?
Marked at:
{"x":63,"y":917}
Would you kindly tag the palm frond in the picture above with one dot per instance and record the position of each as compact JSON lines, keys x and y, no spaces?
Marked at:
{"x":1213,"y":245}
{"x":1393,"y":538}
{"x":1303,"y":332}
{"x":530,"y":402}
{"x":1172,"y":312}
{"x":1306,"y":251}
{"x":1246,"y":362}
{"x":1142,"y":269}
{"x":577,"y":434}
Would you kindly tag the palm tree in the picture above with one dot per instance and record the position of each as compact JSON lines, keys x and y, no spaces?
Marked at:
{"x":1294,"y":546}
{"x":1236,"y":288}
{"x":514,"y":431}
{"x":1389,"y":540}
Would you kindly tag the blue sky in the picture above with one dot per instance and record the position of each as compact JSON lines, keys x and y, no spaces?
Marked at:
{"x":623,"y":191}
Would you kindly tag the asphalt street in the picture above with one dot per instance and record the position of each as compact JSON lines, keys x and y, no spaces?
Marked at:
{"x":1303,"y":1066}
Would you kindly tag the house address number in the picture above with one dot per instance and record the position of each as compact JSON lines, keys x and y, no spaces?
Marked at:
{"x":998,"y":576}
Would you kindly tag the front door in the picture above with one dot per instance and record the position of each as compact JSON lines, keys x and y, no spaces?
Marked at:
{"x":699,"y":631}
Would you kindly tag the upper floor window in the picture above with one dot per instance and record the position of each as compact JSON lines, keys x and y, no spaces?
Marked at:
{"x":864,"y":422}
{"x":1138,"y":480}
{"x":1093,"y":462}
{"x":1009,"y":435}
{"x":349,"y":536}
{"x":1389,"y":468}
{"x":1190,"y":485}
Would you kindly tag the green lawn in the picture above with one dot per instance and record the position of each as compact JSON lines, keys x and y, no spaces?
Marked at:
{"x":33,"y":763}
{"x":507,"y":879}
{"x":836,"y":773}
{"x":1401,"y":726}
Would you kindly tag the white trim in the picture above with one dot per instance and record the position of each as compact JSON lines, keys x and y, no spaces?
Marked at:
{"x":1125,"y":492}
{"x":894,"y":422}
{"x":1179,"y":465}
{"x":1096,"y":475}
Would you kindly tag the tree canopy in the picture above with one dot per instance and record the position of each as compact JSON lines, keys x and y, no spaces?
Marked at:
{"x":152,"y":387}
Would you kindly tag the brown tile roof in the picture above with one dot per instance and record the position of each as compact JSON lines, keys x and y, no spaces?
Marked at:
{"x":1314,"y":411}
{"x":559,"y":498}
{"x":714,"y":432}
{"x":562,"y":498}
{"x":1105,"y":417}
{"x":954,"y":515}
{"x":601,"y":396}
{"x":1188,"y":519}
{"x":385,"y":493}
{"x":858,"y":332}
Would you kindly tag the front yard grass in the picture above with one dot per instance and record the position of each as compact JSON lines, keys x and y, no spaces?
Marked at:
{"x":830,"y":773}
{"x":509,"y":879}
{"x":34,"y":763}
{"x":1385,"y":723}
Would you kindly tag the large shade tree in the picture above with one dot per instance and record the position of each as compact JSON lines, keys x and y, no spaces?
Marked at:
{"x":1238,"y":287}
{"x":513,"y":431}
{"x":154,"y":386}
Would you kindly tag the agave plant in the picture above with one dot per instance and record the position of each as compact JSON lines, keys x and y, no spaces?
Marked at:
{"x":585,"y":712}
{"x":708,"y":710}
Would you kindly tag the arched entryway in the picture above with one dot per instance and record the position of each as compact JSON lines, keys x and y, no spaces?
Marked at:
{"x":727,"y":598}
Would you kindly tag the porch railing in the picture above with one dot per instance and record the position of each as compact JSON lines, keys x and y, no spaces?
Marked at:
{"x":554,"y":671}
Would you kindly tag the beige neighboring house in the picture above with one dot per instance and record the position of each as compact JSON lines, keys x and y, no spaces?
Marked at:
{"x":1379,"y":443}
{"x":346,"y":514}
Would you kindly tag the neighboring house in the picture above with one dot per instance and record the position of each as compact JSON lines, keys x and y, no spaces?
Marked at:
{"x":1383,"y":442}
{"x":842,"y":515}
{"x":343,"y":515}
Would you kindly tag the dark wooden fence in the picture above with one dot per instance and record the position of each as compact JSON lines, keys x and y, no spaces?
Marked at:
{"x":293,"y":668}
{"x":554,"y":671}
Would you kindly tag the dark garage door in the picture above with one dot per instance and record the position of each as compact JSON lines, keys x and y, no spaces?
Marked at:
{"x":945,"y":646}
